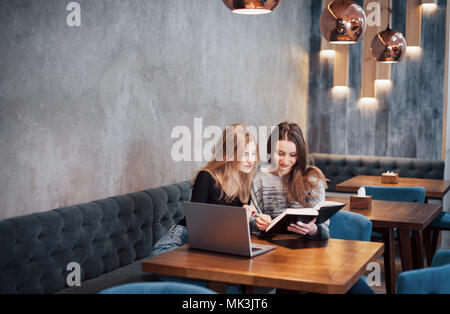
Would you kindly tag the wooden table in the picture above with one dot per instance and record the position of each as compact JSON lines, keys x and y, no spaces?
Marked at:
{"x":434,"y":188}
{"x":298,"y":264}
{"x":406,"y":218}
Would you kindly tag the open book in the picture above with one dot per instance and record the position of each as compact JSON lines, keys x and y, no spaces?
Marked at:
{"x":323,"y":211}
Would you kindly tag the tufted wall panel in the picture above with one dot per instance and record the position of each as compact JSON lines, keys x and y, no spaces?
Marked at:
{"x":338,"y":168}
{"x":101,"y":236}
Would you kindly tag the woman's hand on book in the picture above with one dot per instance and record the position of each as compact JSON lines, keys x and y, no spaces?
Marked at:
{"x":251,"y":211}
{"x":304,"y":229}
{"x":263,"y":221}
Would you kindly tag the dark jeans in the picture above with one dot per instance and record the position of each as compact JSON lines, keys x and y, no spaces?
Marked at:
{"x":177,"y":236}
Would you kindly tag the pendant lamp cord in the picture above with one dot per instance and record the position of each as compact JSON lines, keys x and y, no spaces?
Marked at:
{"x":388,"y":27}
{"x":329,"y":9}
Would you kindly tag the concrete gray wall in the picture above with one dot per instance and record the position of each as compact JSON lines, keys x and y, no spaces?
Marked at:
{"x":87,"y":112}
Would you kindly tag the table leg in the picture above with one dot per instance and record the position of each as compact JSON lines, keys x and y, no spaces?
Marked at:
{"x":428,"y":246}
{"x":435,"y":240}
{"x":417,"y":249}
{"x":247,"y":289}
{"x":404,"y":243}
{"x":219,"y":287}
{"x":389,"y":259}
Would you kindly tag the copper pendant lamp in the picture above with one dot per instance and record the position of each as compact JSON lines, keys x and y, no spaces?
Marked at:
{"x":388,"y":46}
{"x":343,"y":22}
{"x":252,"y":7}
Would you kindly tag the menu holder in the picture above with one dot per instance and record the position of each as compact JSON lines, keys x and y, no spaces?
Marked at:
{"x":389,"y":178}
{"x":360,"y":202}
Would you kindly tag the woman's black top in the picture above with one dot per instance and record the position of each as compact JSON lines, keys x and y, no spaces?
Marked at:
{"x":205,"y":191}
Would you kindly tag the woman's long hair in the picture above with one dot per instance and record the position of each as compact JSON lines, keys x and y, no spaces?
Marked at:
{"x":224,"y":166}
{"x":298,"y":182}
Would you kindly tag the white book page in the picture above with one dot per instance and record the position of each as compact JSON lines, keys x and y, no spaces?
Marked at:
{"x":301,"y":211}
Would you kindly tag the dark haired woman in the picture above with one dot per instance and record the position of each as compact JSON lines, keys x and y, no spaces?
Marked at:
{"x":290,"y":183}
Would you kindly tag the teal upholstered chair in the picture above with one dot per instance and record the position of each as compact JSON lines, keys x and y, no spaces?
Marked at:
{"x":396,"y":194}
{"x":350,"y":226}
{"x":413,"y":194}
{"x":431,"y":234}
{"x":433,"y":280}
{"x":442,"y":221}
{"x":157,"y":288}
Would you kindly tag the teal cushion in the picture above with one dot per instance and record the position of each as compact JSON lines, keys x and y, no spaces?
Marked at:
{"x":433,"y":280}
{"x":396,"y":194}
{"x":157,"y":288}
{"x":442,"y":221}
{"x":441,"y":258}
{"x":350,"y":226}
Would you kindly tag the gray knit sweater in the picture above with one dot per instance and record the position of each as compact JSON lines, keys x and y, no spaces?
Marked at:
{"x":269,"y":197}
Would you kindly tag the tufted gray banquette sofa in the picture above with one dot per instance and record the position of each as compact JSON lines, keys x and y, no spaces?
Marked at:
{"x":338,"y":168}
{"x":108,"y":238}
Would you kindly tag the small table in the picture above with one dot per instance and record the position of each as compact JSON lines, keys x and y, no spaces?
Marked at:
{"x":434,"y":188}
{"x":299,"y":264}
{"x":406,"y":218}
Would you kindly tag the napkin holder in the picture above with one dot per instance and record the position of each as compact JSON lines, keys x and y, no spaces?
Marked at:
{"x":389,"y":178}
{"x":360,"y":202}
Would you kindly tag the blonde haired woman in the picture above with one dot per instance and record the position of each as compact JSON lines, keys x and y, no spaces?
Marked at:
{"x":225,"y":180}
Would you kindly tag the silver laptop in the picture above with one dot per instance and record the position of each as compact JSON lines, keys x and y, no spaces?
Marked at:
{"x":220,"y":228}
